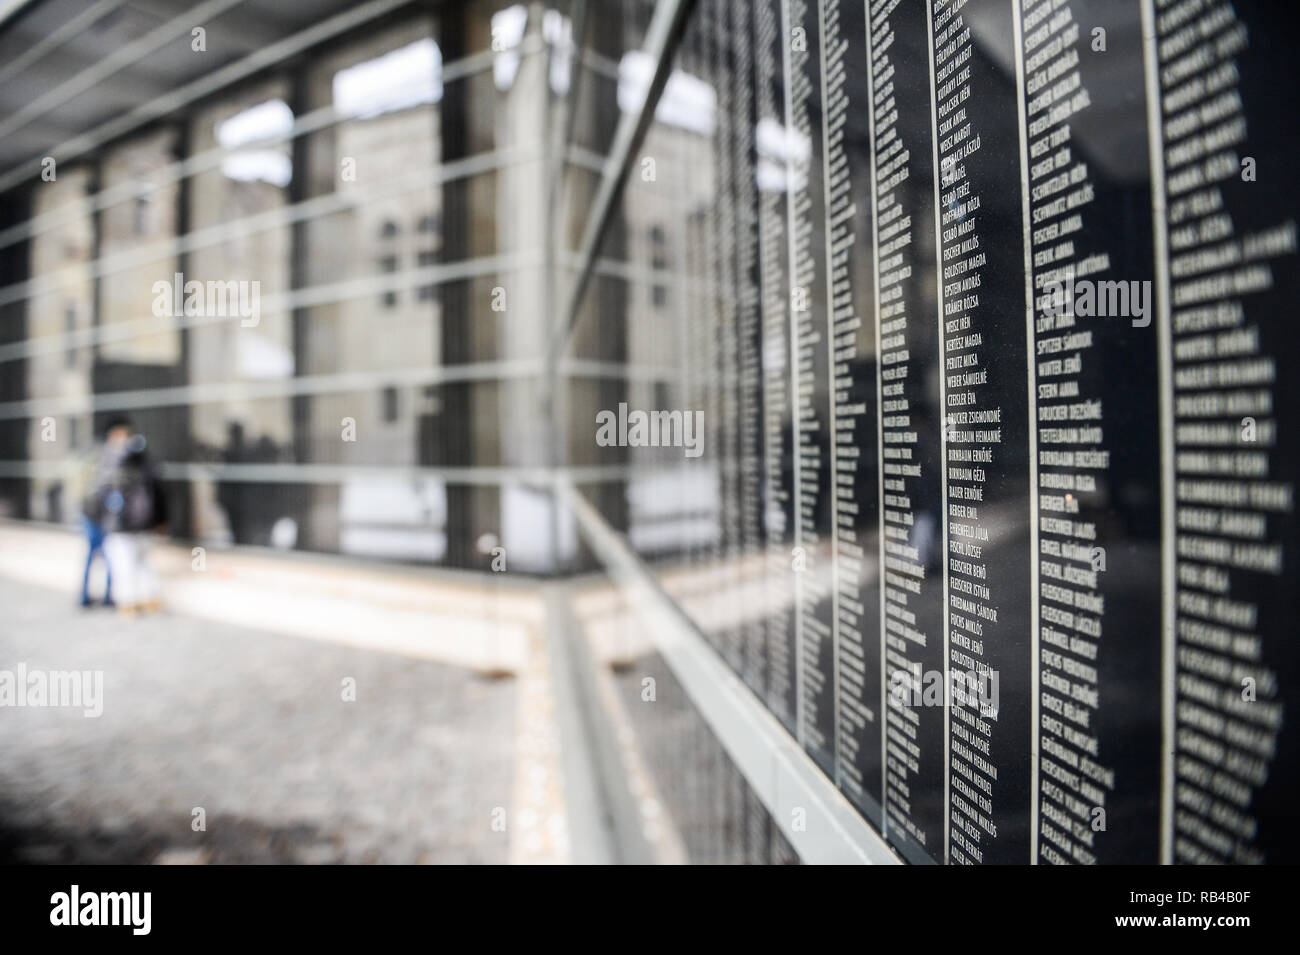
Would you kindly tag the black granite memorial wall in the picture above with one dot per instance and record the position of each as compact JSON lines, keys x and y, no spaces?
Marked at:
{"x":987,"y":308}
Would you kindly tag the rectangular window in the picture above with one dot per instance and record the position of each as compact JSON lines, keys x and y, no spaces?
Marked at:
{"x":426,"y":259}
{"x":69,"y":327}
{"x":388,"y":264}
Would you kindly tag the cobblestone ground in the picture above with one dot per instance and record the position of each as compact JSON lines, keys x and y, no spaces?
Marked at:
{"x":251,"y":727}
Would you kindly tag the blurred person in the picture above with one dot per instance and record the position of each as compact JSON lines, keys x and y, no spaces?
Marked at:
{"x":95,"y":547}
{"x":99,"y":465}
{"x":128,"y":505}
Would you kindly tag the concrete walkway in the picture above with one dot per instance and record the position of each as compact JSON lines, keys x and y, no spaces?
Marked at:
{"x":432,"y":762}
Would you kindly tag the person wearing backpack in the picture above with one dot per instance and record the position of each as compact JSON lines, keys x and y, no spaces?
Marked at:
{"x":129,"y":505}
{"x":94,"y":474}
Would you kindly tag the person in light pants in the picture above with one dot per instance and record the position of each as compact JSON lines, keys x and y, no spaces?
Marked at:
{"x":129,"y":504}
{"x":135,"y":582}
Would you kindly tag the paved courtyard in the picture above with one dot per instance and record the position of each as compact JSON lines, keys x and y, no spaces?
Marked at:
{"x":252,"y":728}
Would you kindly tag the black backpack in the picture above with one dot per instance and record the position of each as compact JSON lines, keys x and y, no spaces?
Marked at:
{"x":127,"y":495}
{"x":138,"y":497}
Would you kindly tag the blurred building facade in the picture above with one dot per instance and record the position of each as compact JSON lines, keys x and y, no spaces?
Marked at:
{"x":389,"y":184}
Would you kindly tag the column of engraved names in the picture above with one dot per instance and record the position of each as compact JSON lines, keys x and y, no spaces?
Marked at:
{"x":811,"y":396}
{"x":749,"y":346}
{"x":701,"y":356}
{"x":857,"y":513}
{"x":910,"y":467}
{"x":1097,"y":446}
{"x":981,"y":269}
{"x":725,"y":324}
{"x":1071,"y":445}
{"x":770,"y":42}
{"x":1232,"y":261}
